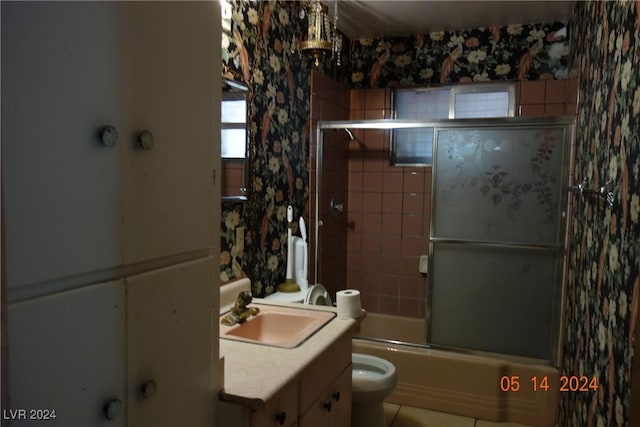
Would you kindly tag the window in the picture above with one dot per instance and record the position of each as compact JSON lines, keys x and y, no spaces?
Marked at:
{"x":414,"y":147}
{"x":233,"y":120}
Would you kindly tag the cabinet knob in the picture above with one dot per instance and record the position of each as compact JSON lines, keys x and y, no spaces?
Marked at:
{"x":113,"y":409}
{"x":108,"y":136}
{"x":145,"y":139}
{"x":149,"y":389}
{"x":336,"y":396}
{"x":281,"y":417}
{"x":327,"y":406}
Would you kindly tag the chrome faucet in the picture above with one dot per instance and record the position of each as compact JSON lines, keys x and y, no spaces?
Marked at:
{"x":240,"y":312}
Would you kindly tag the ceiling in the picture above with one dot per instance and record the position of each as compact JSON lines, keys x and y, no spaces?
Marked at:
{"x":380,"y":18}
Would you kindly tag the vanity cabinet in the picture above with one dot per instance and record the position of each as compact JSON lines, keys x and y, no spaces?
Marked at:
{"x":317,"y":392}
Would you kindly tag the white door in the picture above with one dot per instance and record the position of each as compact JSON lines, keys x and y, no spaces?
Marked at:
{"x":67,"y":354}
{"x":61,"y":186}
{"x":169,"y":345}
{"x":171,"y":83}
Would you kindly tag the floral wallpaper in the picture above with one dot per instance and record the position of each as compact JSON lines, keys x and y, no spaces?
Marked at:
{"x":258,"y":51}
{"x":232,"y":249}
{"x":604,"y":279}
{"x":522,"y":52}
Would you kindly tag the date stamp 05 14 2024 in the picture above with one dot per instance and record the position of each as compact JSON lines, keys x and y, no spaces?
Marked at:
{"x":567,"y":383}
{"x":29,"y":414}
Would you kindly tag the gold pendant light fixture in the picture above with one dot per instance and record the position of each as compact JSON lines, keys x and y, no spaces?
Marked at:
{"x":321,"y":35}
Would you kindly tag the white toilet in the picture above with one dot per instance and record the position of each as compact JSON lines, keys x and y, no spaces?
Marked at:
{"x":373,"y":379}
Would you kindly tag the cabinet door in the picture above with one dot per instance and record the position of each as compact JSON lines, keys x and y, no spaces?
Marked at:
{"x":61,"y":187}
{"x":67,"y":353}
{"x":340,"y":395}
{"x":171,"y":83}
{"x":169,"y":346}
{"x":281,"y":410}
{"x":333,"y":407}
{"x":316,"y":416}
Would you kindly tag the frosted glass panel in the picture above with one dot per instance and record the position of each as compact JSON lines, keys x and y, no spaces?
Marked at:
{"x":499,"y":185}
{"x":494,"y":299}
{"x":481,"y":104}
{"x":233,"y":111}
{"x":422,"y":105}
{"x":233,"y":116}
{"x":233,"y":144}
{"x":413,"y":146}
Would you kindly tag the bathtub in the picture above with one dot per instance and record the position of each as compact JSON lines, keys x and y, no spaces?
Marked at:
{"x":463,"y":383}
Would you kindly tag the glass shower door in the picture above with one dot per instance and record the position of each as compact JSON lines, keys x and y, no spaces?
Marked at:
{"x":497,"y":236}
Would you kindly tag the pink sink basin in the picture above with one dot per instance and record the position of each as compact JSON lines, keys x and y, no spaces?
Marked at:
{"x":277,"y":326}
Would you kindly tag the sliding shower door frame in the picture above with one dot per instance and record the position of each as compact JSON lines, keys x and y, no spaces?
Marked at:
{"x":390,"y":124}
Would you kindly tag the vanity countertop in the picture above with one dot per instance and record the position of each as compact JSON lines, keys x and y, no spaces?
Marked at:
{"x":254,"y":373}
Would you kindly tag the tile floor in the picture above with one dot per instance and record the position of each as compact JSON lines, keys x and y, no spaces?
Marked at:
{"x":406,"y":416}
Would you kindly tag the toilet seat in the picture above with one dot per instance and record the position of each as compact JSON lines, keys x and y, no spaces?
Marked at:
{"x":317,"y":295}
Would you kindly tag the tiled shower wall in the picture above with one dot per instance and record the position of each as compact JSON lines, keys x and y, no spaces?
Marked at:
{"x":389,"y":212}
{"x":389,"y":208}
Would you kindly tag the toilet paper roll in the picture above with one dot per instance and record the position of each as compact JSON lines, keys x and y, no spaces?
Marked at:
{"x":348,"y":304}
